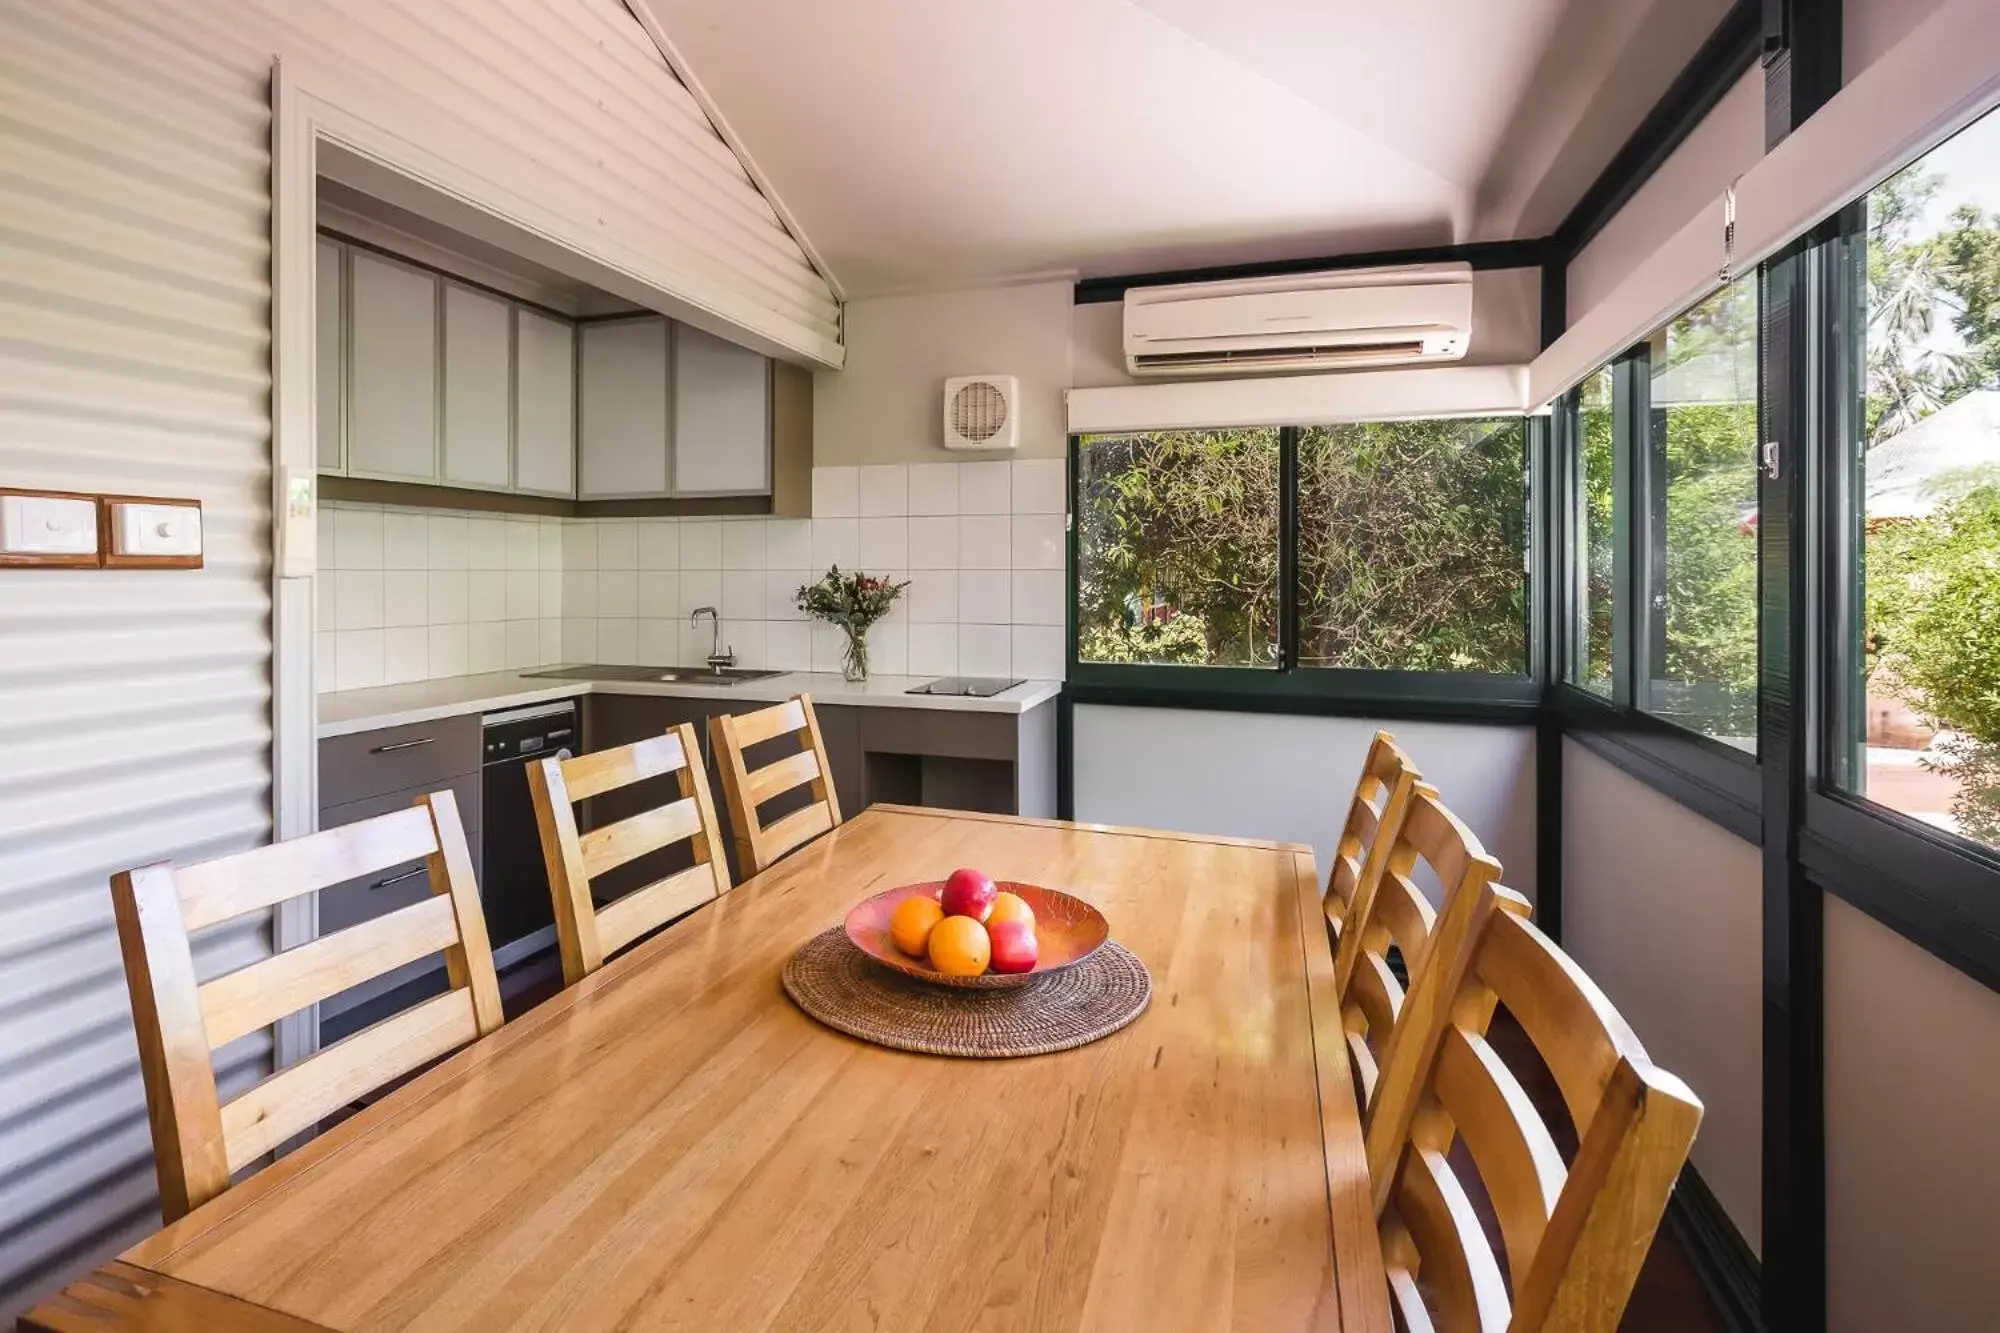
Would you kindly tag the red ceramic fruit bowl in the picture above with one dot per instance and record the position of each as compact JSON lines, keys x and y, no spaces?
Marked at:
{"x":1067,"y":931}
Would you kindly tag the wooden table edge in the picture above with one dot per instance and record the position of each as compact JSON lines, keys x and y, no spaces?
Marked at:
{"x":1360,"y":1279}
{"x":122,"y":1294}
{"x":1116,"y":830}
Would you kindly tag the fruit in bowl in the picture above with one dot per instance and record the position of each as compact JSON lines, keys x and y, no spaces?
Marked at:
{"x":970,"y":893}
{"x":1012,"y":946}
{"x":1026,"y":932}
{"x":960,"y":947}
{"x":910,"y":924}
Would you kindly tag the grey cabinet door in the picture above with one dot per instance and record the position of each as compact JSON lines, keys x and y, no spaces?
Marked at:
{"x":722,"y":417}
{"x":622,"y":408}
{"x":544,"y":404}
{"x":392,"y":423}
{"x":478,"y":425}
{"x":329,"y":357}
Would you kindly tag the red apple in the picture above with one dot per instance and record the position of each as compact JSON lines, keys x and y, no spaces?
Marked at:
{"x":969,"y":893}
{"x":1013,"y":945}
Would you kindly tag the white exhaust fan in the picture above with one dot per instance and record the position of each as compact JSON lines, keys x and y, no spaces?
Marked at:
{"x":1336,"y":320}
{"x":981,"y":412}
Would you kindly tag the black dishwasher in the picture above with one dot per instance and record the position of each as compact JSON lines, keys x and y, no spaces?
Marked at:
{"x":514,"y":885}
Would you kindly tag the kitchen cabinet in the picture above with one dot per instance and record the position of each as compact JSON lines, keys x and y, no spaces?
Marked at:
{"x":623,"y":402}
{"x":478,"y":426}
{"x":722,"y":417}
{"x":544,"y":404}
{"x":330,"y":354}
{"x":392,"y":385}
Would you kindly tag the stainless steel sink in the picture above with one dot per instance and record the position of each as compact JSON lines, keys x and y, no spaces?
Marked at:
{"x":690,"y":675}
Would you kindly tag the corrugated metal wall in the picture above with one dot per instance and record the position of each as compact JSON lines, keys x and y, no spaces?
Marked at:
{"x":134,"y":357}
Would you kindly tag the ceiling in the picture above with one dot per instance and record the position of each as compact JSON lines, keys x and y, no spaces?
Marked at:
{"x":928,"y":144}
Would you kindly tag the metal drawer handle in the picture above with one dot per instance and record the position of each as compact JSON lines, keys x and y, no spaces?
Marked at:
{"x":398,"y":879}
{"x":404,"y":745}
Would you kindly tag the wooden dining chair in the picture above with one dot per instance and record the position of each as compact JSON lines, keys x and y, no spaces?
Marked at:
{"x":1379,"y":797}
{"x":200,"y":1142}
{"x":758,"y":844}
{"x":1575,"y":1233}
{"x":586,"y":934}
{"x":1390,"y":912}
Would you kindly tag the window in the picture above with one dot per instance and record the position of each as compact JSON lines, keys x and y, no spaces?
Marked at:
{"x":1596,"y":565}
{"x":1375,"y":546}
{"x":1699,"y":645}
{"x":1177,"y":548}
{"x":1922,"y":717}
{"x":1412,"y":537}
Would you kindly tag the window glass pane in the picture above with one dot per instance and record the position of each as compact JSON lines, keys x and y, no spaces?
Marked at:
{"x":1701,"y":633}
{"x":1177,"y":548}
{"x":1412,"y":545}
{"x":1595,"y":553}
{"x":1925,"y":711}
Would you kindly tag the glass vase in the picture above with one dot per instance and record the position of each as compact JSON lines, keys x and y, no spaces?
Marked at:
{"x":854,"y":664}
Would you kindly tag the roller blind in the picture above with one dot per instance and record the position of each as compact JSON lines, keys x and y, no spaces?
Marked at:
{"x":1302,"y":400}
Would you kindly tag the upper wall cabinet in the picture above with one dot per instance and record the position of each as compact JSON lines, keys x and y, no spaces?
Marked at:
{"x":722,"y":417}
{"x":478,"y":366}
{"x":544,"y":404}
{"x":392,"y":391}
{"x":622,"y":372}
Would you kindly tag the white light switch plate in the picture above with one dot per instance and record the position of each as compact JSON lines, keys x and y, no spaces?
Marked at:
{"x":47,"y":525}
{"x":155,"y":529}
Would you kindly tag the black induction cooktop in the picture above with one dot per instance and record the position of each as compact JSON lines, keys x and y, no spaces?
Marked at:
{"x":975,"y":687}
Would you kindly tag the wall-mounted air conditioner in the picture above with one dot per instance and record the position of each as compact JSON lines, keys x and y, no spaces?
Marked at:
{"x":1338,"y":320}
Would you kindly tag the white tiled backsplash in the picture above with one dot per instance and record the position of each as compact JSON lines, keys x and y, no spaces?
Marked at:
{"x":402,"y":595}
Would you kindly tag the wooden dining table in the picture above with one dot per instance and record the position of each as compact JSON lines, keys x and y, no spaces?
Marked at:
{"x":672,"y":1144}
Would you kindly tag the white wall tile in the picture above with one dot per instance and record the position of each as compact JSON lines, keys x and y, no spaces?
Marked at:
{"x":889,"y":649}
{"x":836,"y":541}
{"x":933,"y":650}
{"x":549,"y":545}
{"x":357,"y":597}
{"x":1038,"y":541}
{"x":659,"y":594}
{"x":701,"y":543}
{"x":743,"y":596}
{"x":357,"y":659}
{"x":486,"y":595}
{"x":932,"y":597}
{"x":985,"y":597}
{"x":985,"y":542}
{"x":829,"y":647}
{"x":486,"y":646}
{"x":659,"y":543}
{"x":524,"y":544}
{"x":323,"y":541}
{"x":580,"y":544}
{"x":743,"y":543}
{"x":406,"y":541}
{"x":486,"y":543}
{"x":618,"y":544}
{"x":449,"y":539}
{"x":325,"y":604}
{"x":781,"y":591}
{"x":357,"y":539}
{"x":985,"y":488}
{"x":617,"y":594}
{"x":659,"y":641}
{"x":549,"y":631}
{"x":523,"y":594}
{"x":697,"y":642}
{"x":1039,"y":485}
{"x":1037,"y":652}
{"x":548,"y":593}
{"x":579,"y":639}
{"x":524,"y":643}
{"x":700,"y":587}
{"x":836,"y":492}
{"x":618,"y":642}
{"x":745,"y":638}
{"x":984,"y":650}
{"x":405,"y":655}
{"x":579,"y":594}
{"x":788,"y":645}
{"x":1038,"y":597}
{"x":405,"y":599}
{"x":885,"y":543}
{"x":933,"y":543}
{"x":788,"y":543}
{"x":883,"y":489}
{"x":449,"y":650}
{"x":933,"y":488}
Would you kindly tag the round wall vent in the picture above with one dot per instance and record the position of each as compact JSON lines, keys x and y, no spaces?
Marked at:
{"x":979,"y":412}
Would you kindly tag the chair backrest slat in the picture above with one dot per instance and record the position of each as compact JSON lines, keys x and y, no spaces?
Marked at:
{"x":759,"y":845}
{"x":585,"y":934}
{"x":1386,"y":778}
{"x":1574,"y":1237}
{"x":200,"y":1141}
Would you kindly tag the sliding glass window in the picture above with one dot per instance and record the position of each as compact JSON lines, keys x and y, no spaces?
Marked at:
{"x":1917,"y":673}
{"x":1596,"y":568}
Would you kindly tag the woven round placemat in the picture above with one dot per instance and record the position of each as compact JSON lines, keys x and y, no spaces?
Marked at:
{"x":845,"y":989}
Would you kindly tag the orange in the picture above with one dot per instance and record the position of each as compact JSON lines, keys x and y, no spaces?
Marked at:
{"x":910,"y":924}
{"x":960,"y":947}
{"x":1010,"y":907}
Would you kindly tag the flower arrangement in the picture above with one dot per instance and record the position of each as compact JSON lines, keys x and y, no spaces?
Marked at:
{"x":853,"y":602}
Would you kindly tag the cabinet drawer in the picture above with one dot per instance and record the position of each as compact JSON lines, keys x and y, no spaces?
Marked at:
{"x":936,"y":731}
{"x":383,"y":891}
{"x":374,"y":763}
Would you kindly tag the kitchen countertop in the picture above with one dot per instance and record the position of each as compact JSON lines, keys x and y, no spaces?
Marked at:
{"x":343,"y":712}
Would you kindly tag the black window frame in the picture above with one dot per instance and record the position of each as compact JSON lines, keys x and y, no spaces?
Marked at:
{"x":1287,"y":687}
